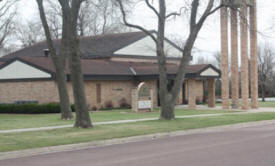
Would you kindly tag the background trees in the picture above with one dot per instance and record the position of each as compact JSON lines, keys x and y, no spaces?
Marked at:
{"x":7,"y":25}
{"x":29,"y":33}
{"x":266,"y":66}
{"x":100,"y":17}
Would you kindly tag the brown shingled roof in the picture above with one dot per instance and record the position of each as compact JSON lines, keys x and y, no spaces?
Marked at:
{"x":94,"y":68}
{"x":92,"y":46}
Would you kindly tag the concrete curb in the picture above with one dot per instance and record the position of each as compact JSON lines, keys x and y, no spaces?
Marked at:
{"x":82,"y":146}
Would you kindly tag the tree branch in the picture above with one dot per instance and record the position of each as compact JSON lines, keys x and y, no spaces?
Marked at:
{"x":208,"y":11}
{"x":175,"y":13}
{"x":133,"y":25}
{"x":152,"y":8}
{"x":46,"y":27}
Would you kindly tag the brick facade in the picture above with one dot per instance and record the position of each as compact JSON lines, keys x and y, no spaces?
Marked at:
{"x":46,"y":92}
{"x":253,"y":56}
{"x":245,"y":25}
{"x":42,"y":91}
{"x":234,"y":59}
{"x":211,"y":93}
{"x":196,"y":88}
{"x":224,"y":58}
{"x":244,"y":58}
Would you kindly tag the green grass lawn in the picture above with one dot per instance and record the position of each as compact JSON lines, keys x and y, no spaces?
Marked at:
{"x":27,"y":140}
{"x":261,"y":104}
{"x":18,"y":121}
{"x":267,"y":104}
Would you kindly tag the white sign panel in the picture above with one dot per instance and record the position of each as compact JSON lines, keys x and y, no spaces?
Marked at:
{"x":144,"y":104}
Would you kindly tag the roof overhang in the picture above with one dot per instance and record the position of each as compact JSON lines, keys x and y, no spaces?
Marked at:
{"x":208,"y":72}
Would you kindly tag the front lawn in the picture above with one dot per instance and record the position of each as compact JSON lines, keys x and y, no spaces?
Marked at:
{"x":15,"y":121}
{"x":27,"y":140}
{"x":267,"y":104}
{"x":261,"y":104}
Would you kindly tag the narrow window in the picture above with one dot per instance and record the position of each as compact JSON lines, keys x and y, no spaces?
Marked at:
{"x":98,"y":93}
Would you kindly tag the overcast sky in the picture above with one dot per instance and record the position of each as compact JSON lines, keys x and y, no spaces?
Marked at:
{"x":209,"y":39}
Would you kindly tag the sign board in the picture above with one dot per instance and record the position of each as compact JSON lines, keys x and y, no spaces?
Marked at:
{"x":144,"y":104}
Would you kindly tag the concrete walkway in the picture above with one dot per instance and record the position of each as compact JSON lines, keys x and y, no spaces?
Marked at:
{"x":141,"y":120}
{"x":204,"y":107}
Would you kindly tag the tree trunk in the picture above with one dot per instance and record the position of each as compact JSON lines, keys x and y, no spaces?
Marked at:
{"x":70,"y":40}
{"x":263,"y":92}
{"x":167,"y":108}
{"x":59,"y":64}
{"x":66,"y":111}
{"x":82,"y":111}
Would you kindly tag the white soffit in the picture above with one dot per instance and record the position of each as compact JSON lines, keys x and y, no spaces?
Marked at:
{"x":209,"y":72}
{"x":20,"y":70}
{"x":147,"y":47}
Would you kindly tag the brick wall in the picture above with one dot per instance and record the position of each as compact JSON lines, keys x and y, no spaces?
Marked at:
{"x":42,"y":91}
{"x":46,"y":91}
{"x":198,"y":90}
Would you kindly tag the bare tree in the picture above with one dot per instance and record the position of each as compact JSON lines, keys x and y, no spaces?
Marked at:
{"x":266,"y":68}
{"x":70,"y":13}
{"x":100,"y":17}
{"x":54,"y":16}
{"x":168,"y":98}
{"x":202,"y":60}
{"x":29,"y":33}
{"x":59,"y":62}
{"x":95,"y":17}
{"x":218,"y":60}
{"x":7,"y":15}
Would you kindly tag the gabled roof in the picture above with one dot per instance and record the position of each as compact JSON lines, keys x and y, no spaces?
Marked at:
{"x":194,"y":71}
{"x":108,"y":69}
{"x":92,"y":46}
{"x":100,"y":46}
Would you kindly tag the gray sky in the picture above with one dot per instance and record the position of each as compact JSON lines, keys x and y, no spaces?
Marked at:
{"x":209,"y":38}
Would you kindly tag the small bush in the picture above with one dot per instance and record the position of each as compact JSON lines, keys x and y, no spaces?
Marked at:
{"x":123,"y":103}
{"x":109,"y":104}
{"x":94,"y":108}
{"x":31,"y":108}
{"x":198,"y":101}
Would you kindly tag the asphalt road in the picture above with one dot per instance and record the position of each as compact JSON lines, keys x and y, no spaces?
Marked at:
{"x":240,"y":147}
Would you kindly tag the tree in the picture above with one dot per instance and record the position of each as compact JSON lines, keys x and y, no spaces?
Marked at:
{"x":70,"y":13}
{"x":168,"y":97}
{"x":69,"y":47}
{"x":29,"y":33}
{"x":95,"y":17}
{"x":59,"y":62}
{"x":265,"y":67}
{"x":202,"y":60}
{"x":218,"y":61}
{"x":7,"y":15}
{"x":99,"y":17}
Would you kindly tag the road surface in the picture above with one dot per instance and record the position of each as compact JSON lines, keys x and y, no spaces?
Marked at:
{"x":254,"y":146}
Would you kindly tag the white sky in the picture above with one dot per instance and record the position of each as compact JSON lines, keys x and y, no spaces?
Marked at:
{"x":209,"y":38}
